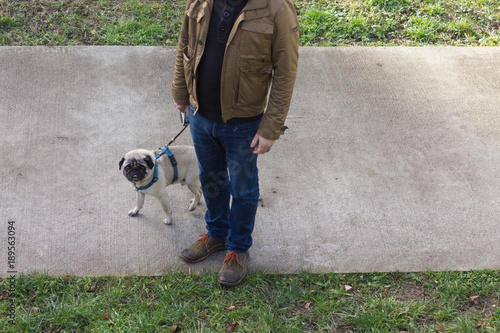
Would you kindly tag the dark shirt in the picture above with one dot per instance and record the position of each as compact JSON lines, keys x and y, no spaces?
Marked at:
{"x":224,"y":14}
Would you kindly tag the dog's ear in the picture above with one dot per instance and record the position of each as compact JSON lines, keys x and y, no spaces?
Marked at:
{"x":121,"y":163}
{"x":149,"y":161}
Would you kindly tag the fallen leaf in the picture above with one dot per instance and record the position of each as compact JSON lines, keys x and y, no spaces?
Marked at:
{"x":347,"y":288}
{"x":272,"y":191}
{"x":300,"y":309}
{"x":91,"y":288}
{"x":175,"y":328}
{"x":407,"y":308}
{"x":105,"y":316}
{"x":36,"y":310}
{"x":53,"y":329}
{"x":5,"y":293}
{"x":231,"y":308}
{"x":261,"y":201}
{"x":233,"y":327}
{"x":474,"y":299}
{"x":483,"y":324}
{"x":441,"y":328}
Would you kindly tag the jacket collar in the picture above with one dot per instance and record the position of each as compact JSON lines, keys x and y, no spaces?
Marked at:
{"x":256,"y":4}
{"x":251,"y":4}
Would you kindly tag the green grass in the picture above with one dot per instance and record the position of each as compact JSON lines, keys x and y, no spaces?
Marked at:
{"x":90,"y":22}
{"x":322,"y":22}
{"x":399,"y":22}
{"x":377,"y":302}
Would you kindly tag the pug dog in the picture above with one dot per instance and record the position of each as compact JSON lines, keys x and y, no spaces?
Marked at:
{"x":138,"y":167}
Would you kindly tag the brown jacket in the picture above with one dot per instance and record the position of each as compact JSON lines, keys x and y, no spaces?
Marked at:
{"x":262,"y":49}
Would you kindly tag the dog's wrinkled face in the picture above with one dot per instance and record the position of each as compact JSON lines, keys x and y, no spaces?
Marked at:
{"x":137,"y":164}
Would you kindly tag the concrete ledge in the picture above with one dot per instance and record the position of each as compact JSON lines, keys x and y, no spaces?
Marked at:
{"x":391,"y":162}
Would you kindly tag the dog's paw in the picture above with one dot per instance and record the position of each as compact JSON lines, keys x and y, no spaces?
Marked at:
{"x":194,"y":203}
{"x":133,"y":212}
{"x":167,"y":221}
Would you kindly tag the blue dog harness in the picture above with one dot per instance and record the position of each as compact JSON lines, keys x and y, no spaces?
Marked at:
{"x":164,"y":150}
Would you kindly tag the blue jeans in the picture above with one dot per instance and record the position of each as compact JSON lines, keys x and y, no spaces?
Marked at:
{"x":228,"y":168}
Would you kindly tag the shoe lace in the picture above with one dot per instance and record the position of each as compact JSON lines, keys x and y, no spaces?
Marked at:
{"x":203,"y":240}
{"x":230,"y":257}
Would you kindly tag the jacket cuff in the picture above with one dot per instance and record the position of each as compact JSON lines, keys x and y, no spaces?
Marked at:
{"x":180,"y":96}
{"x":270,"y":132}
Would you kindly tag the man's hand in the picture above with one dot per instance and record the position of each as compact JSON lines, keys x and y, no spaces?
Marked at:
{"x":182,"y":108}
{"x":261,"y":145}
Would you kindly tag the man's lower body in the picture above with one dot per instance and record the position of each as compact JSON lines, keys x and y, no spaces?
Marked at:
{"x":230,"y":184}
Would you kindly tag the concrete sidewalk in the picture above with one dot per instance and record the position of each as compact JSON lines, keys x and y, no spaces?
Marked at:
{"x":391,"y":162}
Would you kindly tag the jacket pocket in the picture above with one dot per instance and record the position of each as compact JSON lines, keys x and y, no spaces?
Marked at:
{"x":255,"y":78}
{"x":188,"y":56}
{"x":256,"y":37}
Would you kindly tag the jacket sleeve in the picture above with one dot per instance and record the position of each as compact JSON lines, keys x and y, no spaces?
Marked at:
{"x":180,"y":92}
{"x":285,"y":55}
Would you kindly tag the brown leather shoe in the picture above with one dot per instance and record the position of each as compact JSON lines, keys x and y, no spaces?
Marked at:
{"x":234,"y":268}
{"x":201,"y":249}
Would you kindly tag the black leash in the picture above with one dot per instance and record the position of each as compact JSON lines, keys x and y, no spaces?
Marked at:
{"x":175,"y":137}
{"x":185,"y":123}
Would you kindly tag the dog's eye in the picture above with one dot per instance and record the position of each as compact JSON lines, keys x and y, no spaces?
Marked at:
{"x":127,"y":167}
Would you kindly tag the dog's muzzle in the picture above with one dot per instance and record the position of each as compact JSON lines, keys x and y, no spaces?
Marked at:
{"x":135,"y":175}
